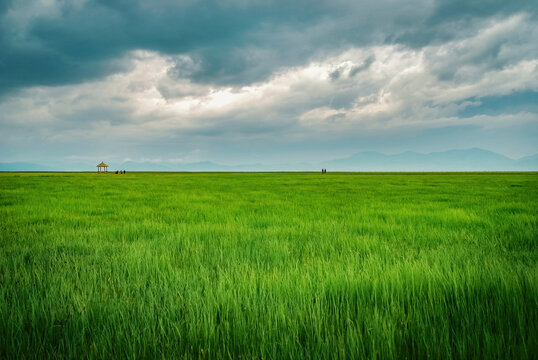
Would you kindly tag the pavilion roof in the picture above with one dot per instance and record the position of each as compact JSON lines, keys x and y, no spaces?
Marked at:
{"x":102,"y":164}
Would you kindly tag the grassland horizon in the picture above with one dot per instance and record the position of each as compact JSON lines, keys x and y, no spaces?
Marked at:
{"x":339,"y":172}
{"x":269,"y":265}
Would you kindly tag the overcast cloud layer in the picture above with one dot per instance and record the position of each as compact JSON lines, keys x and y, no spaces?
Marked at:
{"x":237,"y":81}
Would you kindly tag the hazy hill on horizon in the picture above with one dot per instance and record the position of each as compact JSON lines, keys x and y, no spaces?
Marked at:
{"x":474,"y":159}
{"x":453,"y":160}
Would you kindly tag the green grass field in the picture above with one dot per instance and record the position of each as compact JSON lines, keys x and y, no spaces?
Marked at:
{"x":269,"y":266}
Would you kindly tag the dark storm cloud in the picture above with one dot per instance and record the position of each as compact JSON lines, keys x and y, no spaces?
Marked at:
{"x":232,"y":42}
{"x":449,"y":10}
{"x":453,"y":18}
{"x":79,"y":42}
{"x":4,"y":5}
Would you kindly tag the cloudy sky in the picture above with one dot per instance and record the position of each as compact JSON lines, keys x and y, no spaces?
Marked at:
{"x":246,"y":81}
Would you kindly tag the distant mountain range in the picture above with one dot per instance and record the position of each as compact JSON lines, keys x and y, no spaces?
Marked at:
{"x":453,"y":160}
{"x":24,"y":166}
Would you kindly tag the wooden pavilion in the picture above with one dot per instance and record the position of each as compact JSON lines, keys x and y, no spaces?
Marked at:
{"x":102,"y":168}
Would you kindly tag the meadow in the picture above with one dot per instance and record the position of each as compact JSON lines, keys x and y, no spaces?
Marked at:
{"x":268,"y":265}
